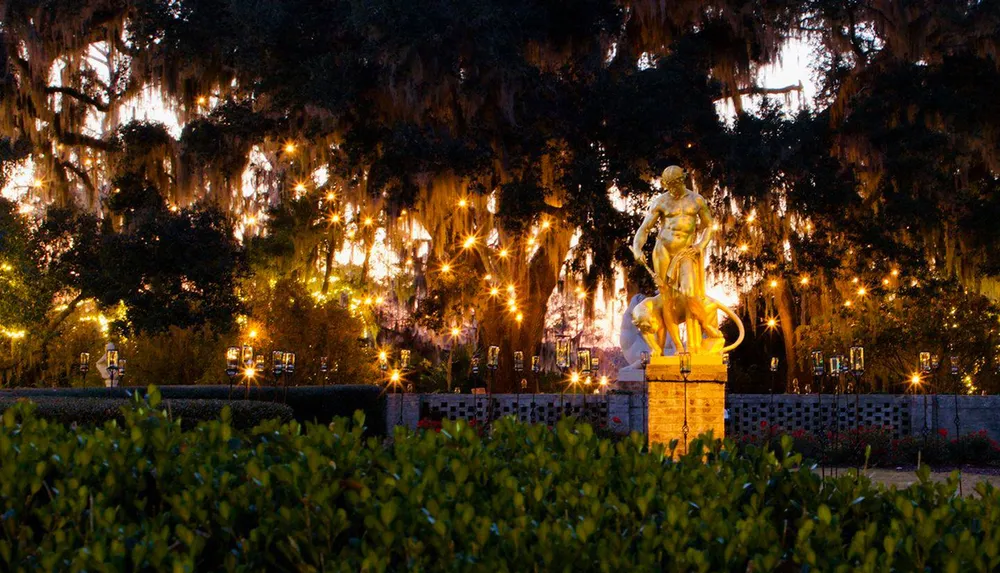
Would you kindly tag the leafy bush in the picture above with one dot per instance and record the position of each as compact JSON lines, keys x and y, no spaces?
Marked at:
{"x":97,"y":411}
{"x":319,"y":404}
{"x":148,"y":495}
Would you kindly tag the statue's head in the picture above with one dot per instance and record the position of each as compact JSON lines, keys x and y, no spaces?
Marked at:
{"x":672,"y":179}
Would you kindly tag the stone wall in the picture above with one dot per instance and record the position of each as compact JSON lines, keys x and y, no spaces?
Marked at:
{"x":745,"y":412}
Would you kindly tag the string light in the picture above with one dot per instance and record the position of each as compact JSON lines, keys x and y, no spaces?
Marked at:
{"x":36,"y":183}
{"x":445,"y":268}
{"x":300,"y":187}
{"x":774,"y":284}
{"x":546,"y":224}
{"x":772,"y":323}
{"x":455,"y":332}
{"x":744,"y":248}
{"x":463,"y":203}
{"x":368,"y":221}
{"x":519,"y":318}
{"x":847,"y":303}
{"x":202,"y":100}
{"x":503,"y":253}
{"x":335,"y":218}
{"x":494,"y":291}
{"x":895,"y":272}
{"x":330,"y":196}
{"x":804,"y":280}
{"x":885,"y":281}
{"x":862,"y":291}
{"x":289,"y":147}
{"x":469,"y":242}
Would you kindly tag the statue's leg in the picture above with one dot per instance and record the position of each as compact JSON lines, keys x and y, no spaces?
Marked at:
{"x":671,"y":324}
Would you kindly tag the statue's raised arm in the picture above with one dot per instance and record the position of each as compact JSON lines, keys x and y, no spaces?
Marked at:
{"x":642,"y":234}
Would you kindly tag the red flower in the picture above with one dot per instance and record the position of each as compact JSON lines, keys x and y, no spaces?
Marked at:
{"x":763,"y":423}
{"x":943,"y":432}
{"x":616,"y":420}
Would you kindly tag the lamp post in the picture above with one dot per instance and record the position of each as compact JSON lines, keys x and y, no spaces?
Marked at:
{"x":492,"y":362}
{"x":583,"y":365}
{"x":818,"y":372}
{"x":536,"y":369}
{"x":835,"y":376}
{"x":395,"y":379}
{"x":685,"y":367}
{"x":774,"y":377}
{"x":112,"y":362}
{"x":857,"y":358}
{"x":289,"y":370}
{"x":84,"y":367}
{"x":518,"y":369}
{"x":954,"y":375}
{"x":232,"y":366}
{"x":925,"y":372}
{"x":644,"y":362}
{"x":277,"y":368}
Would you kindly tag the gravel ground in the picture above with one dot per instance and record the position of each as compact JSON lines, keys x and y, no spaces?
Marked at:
{"x":905,"y":476}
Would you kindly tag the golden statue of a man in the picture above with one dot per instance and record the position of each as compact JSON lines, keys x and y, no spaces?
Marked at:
{"x":678,"y":267}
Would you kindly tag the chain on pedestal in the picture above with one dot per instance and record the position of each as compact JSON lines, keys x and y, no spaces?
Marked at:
{"x":685,"y":364}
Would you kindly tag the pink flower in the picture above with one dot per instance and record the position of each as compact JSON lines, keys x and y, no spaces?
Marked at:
{"x":616,"y":420}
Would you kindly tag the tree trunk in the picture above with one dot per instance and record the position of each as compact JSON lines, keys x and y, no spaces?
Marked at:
{"x":499,"y":326}
{"x":786,"y":318}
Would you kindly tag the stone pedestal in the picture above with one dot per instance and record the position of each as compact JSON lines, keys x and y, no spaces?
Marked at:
{"x":664,"y":393}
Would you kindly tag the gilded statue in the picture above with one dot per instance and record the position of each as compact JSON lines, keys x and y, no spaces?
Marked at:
{"x":685,"y":231}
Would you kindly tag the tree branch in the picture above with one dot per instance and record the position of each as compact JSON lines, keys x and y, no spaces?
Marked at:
{"x":73,"y":138}
{"x":759,"y":90}
{"x":78,"y":95}
{"x":81,"y":175}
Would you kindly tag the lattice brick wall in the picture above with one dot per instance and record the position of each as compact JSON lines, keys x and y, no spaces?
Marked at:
{"x":815,"y":413}
{"x":538,"y":408}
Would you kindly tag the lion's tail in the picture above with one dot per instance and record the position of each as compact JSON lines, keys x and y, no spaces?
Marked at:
{"x":739,"y":324}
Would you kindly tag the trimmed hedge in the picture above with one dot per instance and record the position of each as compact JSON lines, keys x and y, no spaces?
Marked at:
{"x":319,"y":404}
{"x":148,"y":495}
{"x":97,"y":411}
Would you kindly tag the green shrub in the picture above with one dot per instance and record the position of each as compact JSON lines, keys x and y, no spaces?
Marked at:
{"x":97,"y":411}
{"x":319,"y":404}
{"x":148,"y":495}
